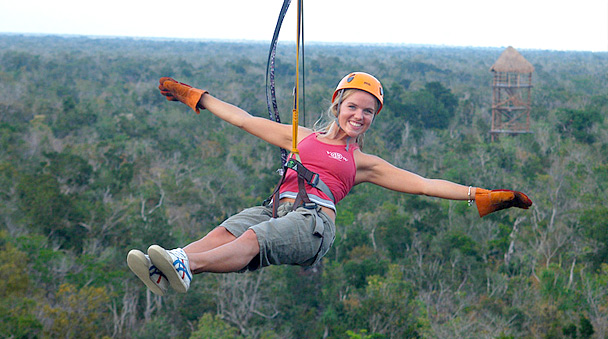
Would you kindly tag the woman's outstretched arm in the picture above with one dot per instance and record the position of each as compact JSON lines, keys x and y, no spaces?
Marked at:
{"x":378,"y":171}
{"x":270,"y":131}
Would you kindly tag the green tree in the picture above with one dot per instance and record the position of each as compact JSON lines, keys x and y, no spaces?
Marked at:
{"x":596,"y":228}
{"x":431,"y":107}
{"x":388,"y":307}
{"x":49,"y":210}
{"x":75,"y":116}
{"x":577,"y":123}
{"x":213,"y":327}
{"x":78,"y":313}
{"x":69,"y":170}
{"x":17,"y":309}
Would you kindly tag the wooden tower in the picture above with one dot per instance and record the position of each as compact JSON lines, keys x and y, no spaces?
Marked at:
{"x":511,"y":93}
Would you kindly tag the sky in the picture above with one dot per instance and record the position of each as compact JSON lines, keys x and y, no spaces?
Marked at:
{"x":563,"y":25}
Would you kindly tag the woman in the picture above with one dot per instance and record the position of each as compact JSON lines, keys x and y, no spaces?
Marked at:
{"x":303,"y":233}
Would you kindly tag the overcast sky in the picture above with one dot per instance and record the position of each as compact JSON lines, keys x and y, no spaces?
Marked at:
{"x":524,"y":24}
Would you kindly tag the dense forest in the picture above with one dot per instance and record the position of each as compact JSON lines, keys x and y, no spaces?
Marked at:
{"x":95,"y":162}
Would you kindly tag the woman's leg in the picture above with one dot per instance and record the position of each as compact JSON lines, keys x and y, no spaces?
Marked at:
{"x":221,"y":251}
{"x":216,"y":255}
{"x":217,"y":237}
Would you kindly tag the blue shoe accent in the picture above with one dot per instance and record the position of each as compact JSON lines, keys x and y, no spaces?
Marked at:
{"x":181,"y":267}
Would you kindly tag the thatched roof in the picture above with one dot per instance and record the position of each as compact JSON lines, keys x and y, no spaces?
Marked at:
{"x":510,"y":61}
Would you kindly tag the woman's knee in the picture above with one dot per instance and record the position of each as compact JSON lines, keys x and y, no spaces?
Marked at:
{"x":249,"y":239}
{"x":221,"y":233}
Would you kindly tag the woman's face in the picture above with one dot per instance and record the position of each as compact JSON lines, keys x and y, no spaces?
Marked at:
{"x":356,"y":113}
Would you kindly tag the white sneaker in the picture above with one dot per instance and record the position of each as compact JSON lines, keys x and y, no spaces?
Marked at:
{"x":143,"y":268}
{"x":174,"y":264}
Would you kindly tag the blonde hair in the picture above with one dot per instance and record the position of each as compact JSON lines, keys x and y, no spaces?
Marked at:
{"x":324,"y":124}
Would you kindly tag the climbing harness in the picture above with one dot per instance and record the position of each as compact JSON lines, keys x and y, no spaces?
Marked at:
{"x":293,"y":162}
{"x":305,"y":176}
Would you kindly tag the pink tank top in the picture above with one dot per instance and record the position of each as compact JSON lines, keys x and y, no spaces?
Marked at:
{"x":334,"y":165}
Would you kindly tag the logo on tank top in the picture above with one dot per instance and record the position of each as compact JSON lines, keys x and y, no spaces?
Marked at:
{"x":336,"y":155}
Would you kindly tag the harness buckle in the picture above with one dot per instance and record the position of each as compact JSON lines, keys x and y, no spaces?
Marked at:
{"x":291,"y":163}
{"x":310,"y":205}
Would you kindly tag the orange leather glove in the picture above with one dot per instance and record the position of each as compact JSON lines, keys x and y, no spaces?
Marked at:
{"x":178,"y":91}
{"x":496,"y":200}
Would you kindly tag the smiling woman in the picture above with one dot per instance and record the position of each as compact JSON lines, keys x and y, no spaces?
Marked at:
{"x":297,"y":227}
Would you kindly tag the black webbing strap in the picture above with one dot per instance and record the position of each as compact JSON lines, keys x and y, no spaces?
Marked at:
{"x":271,"y":99}
{"x":302,"y":197}
{"x":275,"y":195}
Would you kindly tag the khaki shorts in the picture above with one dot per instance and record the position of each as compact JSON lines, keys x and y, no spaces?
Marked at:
{"x":300,"y":237}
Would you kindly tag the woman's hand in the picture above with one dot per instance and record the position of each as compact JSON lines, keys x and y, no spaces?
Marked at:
{"x":178,"y":91}
{"x":496,"y":200}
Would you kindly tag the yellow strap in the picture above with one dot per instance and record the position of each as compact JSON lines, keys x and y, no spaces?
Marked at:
{"x":296,"y":109}
{"x":294,"y":132}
